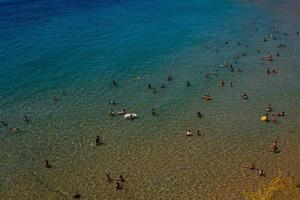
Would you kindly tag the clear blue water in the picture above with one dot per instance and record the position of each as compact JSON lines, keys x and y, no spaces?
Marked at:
{"x":81,"y":46}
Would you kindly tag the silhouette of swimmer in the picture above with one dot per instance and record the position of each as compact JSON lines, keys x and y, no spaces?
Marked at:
{"x":149,"y":86}
{"x":111,"y":112}
{"x":48,"y":166}
{"x":26,"y":119}
{"x":198,"y":133}
{"x":153,"y":111}
{"x":63,"y":92}
{"x":13,"y":130}
{"x":55,"y":99}
{"x":120,"y":179}
{"x":118,"y":186}
{"x":114,"y":83}
{"x":222,"y":83}
{"x":169,"y":78}
{"x":268,"y":71}
{"x":98,"y":141}
{"x":112,"y":102}
{"x":188,"y":84}
{"x":162,"y":86}
{"x":231,"y":84}
{"x":274,"y":147}
{"x":109,"y":179}
{"x":261,"y":172}
{"x":76,"y":195}
{"x":244,"y":95}
{"x":199,"y":114}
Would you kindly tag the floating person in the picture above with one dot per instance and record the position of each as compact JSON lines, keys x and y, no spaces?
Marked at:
{"x":118,"y":186}
{"x":149,"y":86}
{"x":274,"y":147}
{"x":265,"y":117}
{"x":120,"y":179}
{"x":277,"y":54}
{"x":114,"y":83}
{"x":198,"y":132}
{"x":130,"y":116}
{"x":274,"y":70}
{"x":199,"y":114}
{"x":222,"y":83}
{"x":153,"y":112}
{"x":162,"y":86}
{"x":26,"y":119}
{"x":55,"y":99}
{"x":76,"y":195}
{"x":13,"y":130}
{"x":280,"y":114}
{"x":270,"y":58}
{"x":109,"y":179}
{"x":269,"y":108}
{"x":188,"y":84}
{"x":48,"y":166}
{"x":111,"y":112}
{"x":98,"y":141}
{"x":189,"y":133}
{"x":226,"y":42}
{"x":244,"y":95}
{"x":112,"y":102}
{"x":261,"y":172}
{"x":170,"y":78}
{"x":274,"y":118}
{"x":268,"y":71}
{"x":207,"y":97}
{"x":122,"y":112}
{"x":231,"y":84}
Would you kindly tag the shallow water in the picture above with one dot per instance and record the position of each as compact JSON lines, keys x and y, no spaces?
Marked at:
{"x":81,"y":47}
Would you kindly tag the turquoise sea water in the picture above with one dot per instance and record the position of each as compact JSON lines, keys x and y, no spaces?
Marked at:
{"x":79,"y":47}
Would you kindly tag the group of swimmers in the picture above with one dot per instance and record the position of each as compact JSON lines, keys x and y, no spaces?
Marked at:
{"x":189,"y":133}
{"x":119,"y":180}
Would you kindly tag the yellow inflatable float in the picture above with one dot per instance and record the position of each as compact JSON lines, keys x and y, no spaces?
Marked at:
{"x":264,"y":118}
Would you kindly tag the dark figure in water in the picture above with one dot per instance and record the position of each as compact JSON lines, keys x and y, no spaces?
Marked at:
{"x":231,"y":84}
{"x":4,"y":123}
{"x":222,"y":83}
{"x":198,"y":133}
{"x":170,"y":78}
{"x":111,"y":112}
{"x":114,"y":83}
{"x":268,"y":71}
{"x":199,"y":114}
{"x":297,"y":32}
{"x":162,"y":86}
{"x":226,"y":42}
{"x":149,"y":86}
{"x":109,"y":179}
{"x":278,"y":55}
{"x":26,"y":119}
{"x":120,"y":179}
{"x":244,"y":95}
{"x":76,"y":195}
{"x":63,"y":93}
{"x":153,"y":111}
{"x":55,"y":99}
{"x":48,"y":166}
{"x":274,"y":147}
{"x":118,"y":186}
{"x":188,"y":84}
{"x":98,"y":141}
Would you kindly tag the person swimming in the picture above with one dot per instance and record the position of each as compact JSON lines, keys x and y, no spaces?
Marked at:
{"x":13,"y":130}
{"x":274,"y":118}
{"x":269,"y":108}
{"x":199,"y":114}
{"x":170,"y":78}
{"x":251,"y":166}
{"x":26,"y":119}
{"x":76,"y":195}
{"x":98,"y":141}
{"x":149,"y":86}
{"x":244,"y":95}
{"x":109,"y":179}
{"x":261,"y":172}
{"x":188,"y":84}
{"x":112,"y":102}
{"x":114,"y":83}
{"x":111,"y":112}
{"x":162,"y":86}
{"x":274,"y":70}
{"x":198,"y":132}
{"x":231,"y":84}
{"x":280,"y":114}
{"x":48,"y":166}
{"x":274,"y":147}
{"x":207,"y":97}
{"x":189,"y":133}
{"x":153,"y":111}
{"x":222,"y":83}
{"x":122,"y":112}
{"x":118,"y":186}
{"x":268,"y":71}
{"x":120,"y":178}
